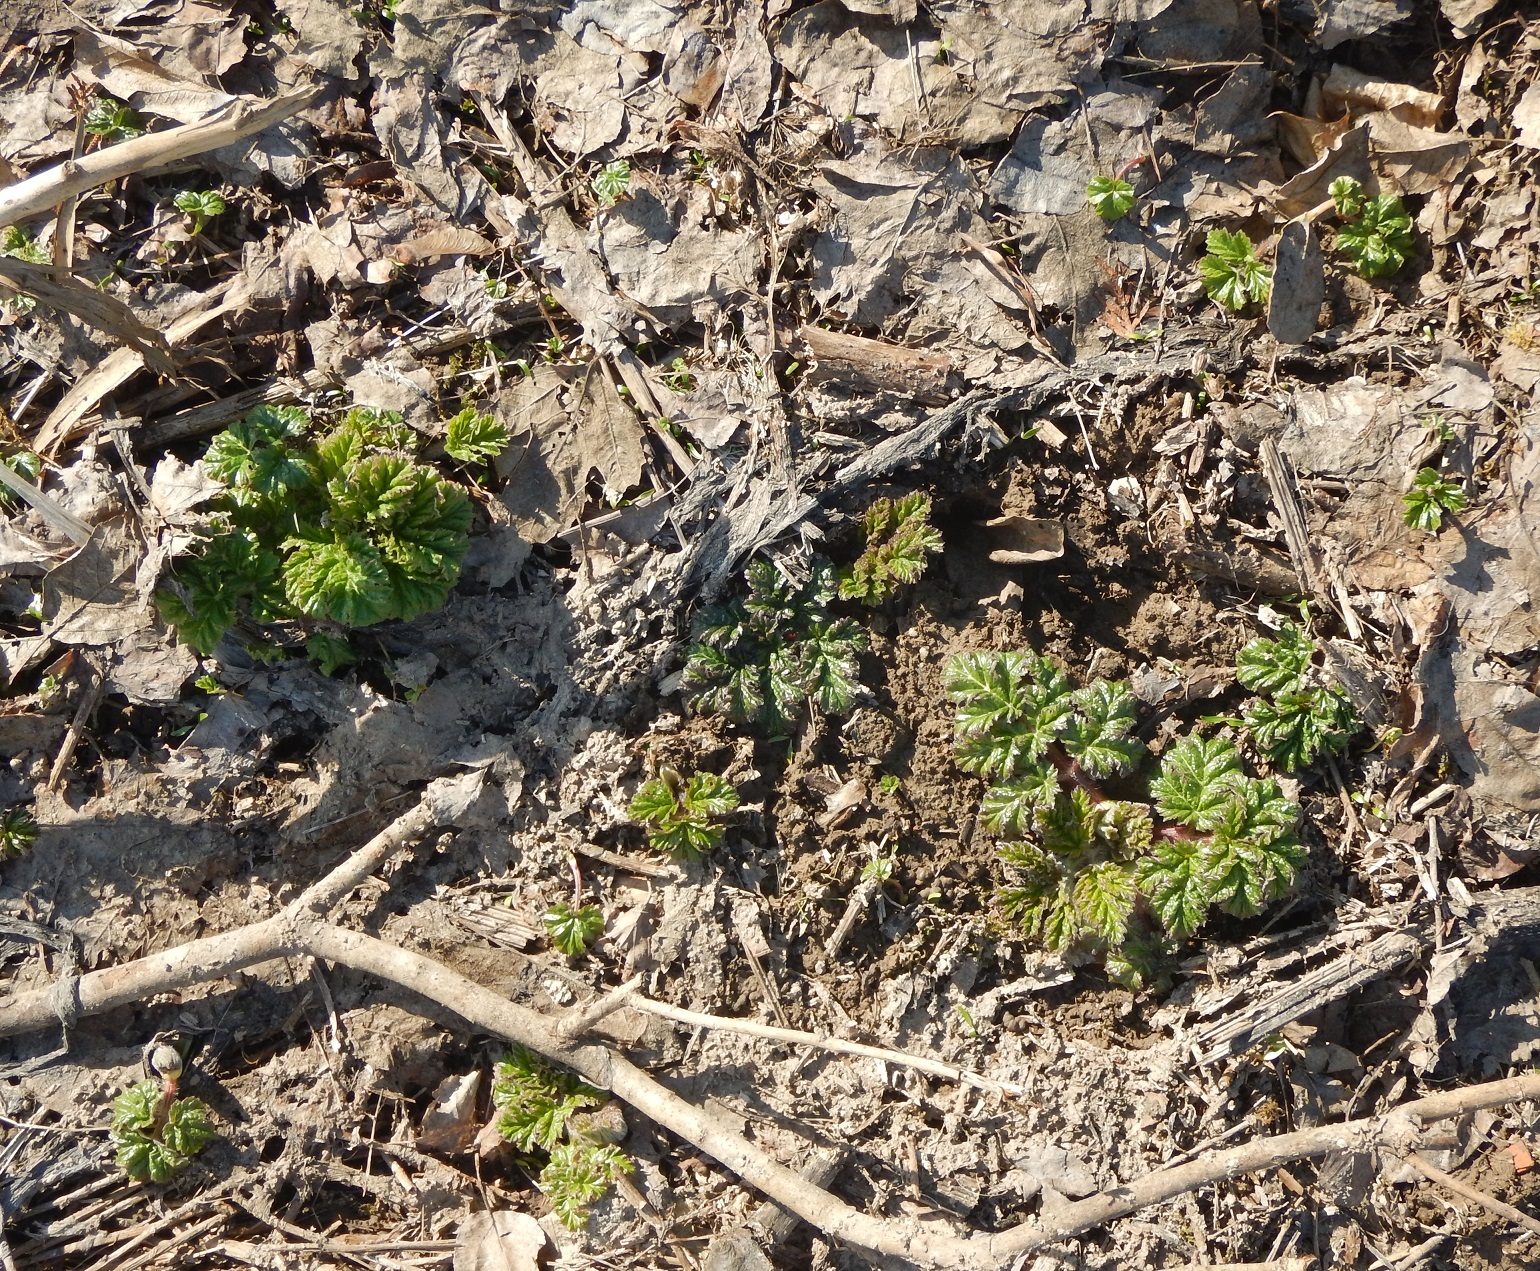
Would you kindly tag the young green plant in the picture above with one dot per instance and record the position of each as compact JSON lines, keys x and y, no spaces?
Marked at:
{"x":1115,"y":877}
{"x":154,"y":1133}
{"x":110,"y":120}
{"x":680,"y":815}
{"x":544,"y":1109}
{"x":1297,"y":716}
{"x":346,"y":528}
{"x":200,"y":207}
{"x":762,"y":658}
{"x":1232,"y":274}
{"x":1111,"y":198}
{"x":899,"y":541}
{"x":573,"y":930}
{"x":611,"y":182}
{"x":474,"y":437}
{"x":1429,"y":499}
{"x":1377,"y":233}
{"x":18,"y":831}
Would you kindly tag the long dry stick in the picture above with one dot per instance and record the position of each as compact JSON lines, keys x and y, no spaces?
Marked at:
{"x":47,"y":189}
{"x":301,"y":929}
{"x":1501,"y":1208}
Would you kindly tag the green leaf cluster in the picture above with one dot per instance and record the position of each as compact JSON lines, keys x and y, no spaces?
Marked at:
{"x":611,"y":182}
{"x":761,"y":658}
{"x":573,"y":930}
{"x":1429,"y":498}
{"x":201,"y":206}
{"x":346,"y":527}
{"x":679,"y":814}
{"x":540,"y":1107}
{"x":1117,"y":877}
{"x":112,"y":121}
{"x":1232,"y":274}
{"x":1296,"y":717}
{"x":149,"y":1147}
{"x":899,"y":539}
{"x":474,"y":437}
{"x":18,"y":831}
{"x":1377,"y":237}
{"x":16,"y":243}
{"x":1110,"y":197}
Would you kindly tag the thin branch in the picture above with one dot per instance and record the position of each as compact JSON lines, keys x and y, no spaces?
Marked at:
{"x":1502,"y":1209}
{"x":820,"y":1041}
{"x":47,"y":189}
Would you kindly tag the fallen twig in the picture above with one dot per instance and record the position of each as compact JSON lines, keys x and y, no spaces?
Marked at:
{"x":1449,"y":1182}
{"x":301,"y":929}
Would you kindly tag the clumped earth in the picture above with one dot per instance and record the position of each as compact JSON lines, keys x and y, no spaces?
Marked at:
{"x":722,"y":276}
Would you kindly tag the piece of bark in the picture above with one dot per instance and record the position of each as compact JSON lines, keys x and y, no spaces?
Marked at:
{"x":862,"y":365}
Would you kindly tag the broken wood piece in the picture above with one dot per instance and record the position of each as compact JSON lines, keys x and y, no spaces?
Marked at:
{"x":743,"y":1248}
{"x":863,"y":365}
{"x":1284,"y":490}
{"x":66,"y":522}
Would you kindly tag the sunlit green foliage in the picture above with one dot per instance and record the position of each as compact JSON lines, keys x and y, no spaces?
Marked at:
{"x":1297,"y":716}
{"x":155,"y":1138}
{"x":1232,"y":274}
{"x":899,"y":540}
{"x":680,"y":815}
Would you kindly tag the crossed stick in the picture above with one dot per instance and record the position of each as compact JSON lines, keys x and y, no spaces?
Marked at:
{"x":302,"y":928}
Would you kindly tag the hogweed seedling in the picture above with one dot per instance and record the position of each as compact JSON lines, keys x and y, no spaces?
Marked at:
{"x":899,"y":541}
{"x":1429,"y":498}
{"x":573,"y":930}
{"x":16,"y":243}
{"x":680,"y":815}
{"x":1297,"y":716}
{"x":154,"y":1133}
{"x":1110,"y":875}
{"x":1377,"y":236}
{"x":1232,"y":274}
{"x":762,"y":658}
{"x":111,"y":120}
{"x":611,"y":182}
{"x":474,"y":437}
{"x":542,"y":1109}
{"x":18,"y":831}
{"x":346,"y":528}
{"x":1110,"y":198}
{"x":199,"y":206}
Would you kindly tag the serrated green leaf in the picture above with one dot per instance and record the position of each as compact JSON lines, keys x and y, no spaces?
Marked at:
{"x":1197,"y":780}
{"x":1231,"y":273}
{"x":1348,"y":196}
{"x":899,"y":539}
{"x":1009,"y":808}
{"x":1096,"y":736}
{"x":1110,"y":197}
{"x":826,"y":662}
{"x":1104,"y":899}
{"x":1280,"y":664}
{"x":707,"y":794}
{"x":1066,"y":827}
{"x":573,"y":930}
{"x":342,"y":578}
{"x":577,"y":1175}
{"x":1172,"y":881}
{"x":653,"y":803}
{"x":473,"y":437}
{"x":1381,"y":239}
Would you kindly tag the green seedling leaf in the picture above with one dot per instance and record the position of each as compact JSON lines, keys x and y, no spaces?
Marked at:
{"x":1381,"y":239}
{"x":1197,"y":781}
{"x":1277,"y":665}
{"x":112,"y":121}
{"x":1110,"y":197}
{"x":476,"y":438}
{"x":18,"y":831}
{"x":155,"y":1152}
{"x":201,"y":206}
{"x":899,"y":540}
{"x":1348,"y":197}
{"x":1232,"y":275}
{"x":579,"y":1174}
{"x":16,"y":243}
{"x":573,"y":930}
{"x":611,"y":182}
{"x":1429,"y":499}
{"x":536,"y":1100}
{"x":680,"y":815}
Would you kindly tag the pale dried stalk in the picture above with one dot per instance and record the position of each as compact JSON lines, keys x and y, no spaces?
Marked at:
{"x":819,"y":1041}
{"x":1448,"y":1181}
{"x":299,"y":929}
{"x":47,"y":189}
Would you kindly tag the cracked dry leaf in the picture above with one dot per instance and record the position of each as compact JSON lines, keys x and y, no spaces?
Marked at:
{"x":415,"y":135}
{"x":502,"y":1240}
{"x":92,"y":598}
{"x":131,"y":75}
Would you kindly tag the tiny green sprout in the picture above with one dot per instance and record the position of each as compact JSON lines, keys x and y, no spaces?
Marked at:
{"x":25,"y":464}
{"x":1347,"y":195}
{"x":1232,"y":274}
{"x":112,"y":121}
{"x":611,"y":182}
{"x":899,"y":541}
{"x":208,"y":684}
{"x":555,"y":348}
{"x":877,"y":870}
{"x":679,"y":814}
{"x":496,"y":288}
{"x":677,"y":379}
{"x":944,"y":53}
{"x":200,"y":206}
{"x":889,"y":783}
{"x":1110,"y":197}
{"x":474,"y":437}
{"x":16,"y":243}
{"x":18,"y":831}
{"x":1380,"y":239}
{"x":1429,"y":498}
{"x":573,"y":930}
{"x":329,"y":651}
{"x":155,"y":1134}
{"x":964,"y":1014}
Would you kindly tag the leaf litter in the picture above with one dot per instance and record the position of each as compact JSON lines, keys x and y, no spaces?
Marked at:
{"x":727,"y":277}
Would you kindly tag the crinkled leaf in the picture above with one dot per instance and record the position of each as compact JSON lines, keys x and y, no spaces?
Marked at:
{"x":1097,"y":735}
{"x":1197,"y":780}
{"x":342,"y":578}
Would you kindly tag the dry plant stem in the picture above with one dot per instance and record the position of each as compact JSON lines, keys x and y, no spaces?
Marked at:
{"x":47,"y":189}
{"x":748,"y":1028}
{"x":1277,"y":1264}
{"x":1449,"y":1182}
